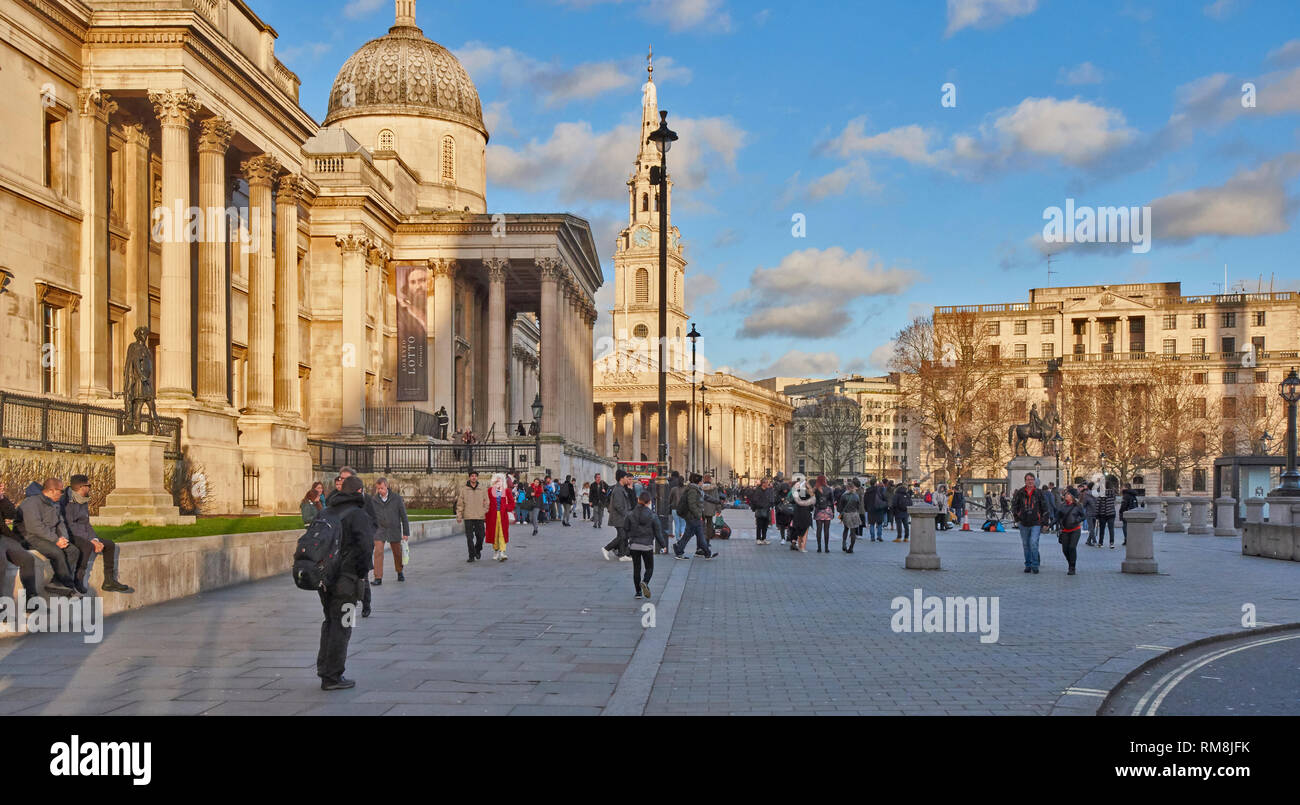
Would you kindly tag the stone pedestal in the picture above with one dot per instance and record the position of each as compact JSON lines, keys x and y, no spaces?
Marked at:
{"x":1255,"y":509}
{"x":1020,"y":465}
{"x":1200,"y":522}
{"x":1225,"y":517}
{"x":1173,"y":514}
{"x":924,"y":554}
{"x":138,"y":496}
{"x":1140,"y":551}
{"x":1279,"y":509}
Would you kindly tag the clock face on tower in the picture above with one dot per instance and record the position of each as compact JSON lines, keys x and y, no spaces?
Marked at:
{"x":642,"y":236}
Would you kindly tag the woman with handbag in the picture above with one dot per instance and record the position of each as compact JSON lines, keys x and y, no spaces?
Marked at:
{"x":803,"y":499}
{"x":760,"y":502}
{"x":1070,"y":517}
{"x":824,"y":512}
{"x":850,"y":516}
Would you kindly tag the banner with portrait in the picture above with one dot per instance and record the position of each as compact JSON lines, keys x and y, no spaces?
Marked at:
{"x":412,"y":334}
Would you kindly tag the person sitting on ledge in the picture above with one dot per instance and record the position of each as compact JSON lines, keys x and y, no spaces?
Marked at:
{"x":76,"y":517}
{"x":43,"y":529}
{"x":13,"y":549}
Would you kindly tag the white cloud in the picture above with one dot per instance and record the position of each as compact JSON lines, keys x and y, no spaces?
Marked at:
{"x":552,"y":84}
{"x":1286,"y":55}
{"x":910,"y":143}
{"x":809,"y":292}
{"x":360,"y":8}
{"x":679,"y":15}
{"x":1075,"y":131}
{"x":305,"y":54}
{"x":1085,"y":73}
{"x":797,"y":363}
{"x":985,"y":13}
{"x":856,"y":175}
{"x":1252,"y":203}
{"x":1221,"y":9}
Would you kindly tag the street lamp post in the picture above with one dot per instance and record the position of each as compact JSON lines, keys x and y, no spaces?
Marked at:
{"x":902,"y":470}
{"x":1068,"y":475}
{"x":708,"y":428}
{"x":693,"y":423}
{"x":537,"y":429}
{"x":1289,"y":390}
{"x":1103,"y":471}
{"x":1056,"y":445}
{"x":663,"y":138}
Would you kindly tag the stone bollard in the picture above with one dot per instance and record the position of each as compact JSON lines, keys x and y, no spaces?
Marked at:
{"x":1225,"y":520}
{"x":1157,"y":507}
{"x":1174,"y":515}
{"x":1279,"y":510}
{"x":924,"y":554}
{"x":1255,"y":509}
{"x":1140,"y":551}
{"x":1200,"y":521}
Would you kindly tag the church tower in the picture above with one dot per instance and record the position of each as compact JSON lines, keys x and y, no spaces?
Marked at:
{"x":635,"y":316}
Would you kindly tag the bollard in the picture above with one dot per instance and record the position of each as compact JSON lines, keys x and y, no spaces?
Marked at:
{"x":924,"y":554}
{"x":1255,"y":509}
{"x":1199,"y":523}
{"x":1174,"y":515}
{"x":1279,"y":510}
{"x":1157,"y":507}
{"x":1225,"y":517}
{"x":1140,"y":551}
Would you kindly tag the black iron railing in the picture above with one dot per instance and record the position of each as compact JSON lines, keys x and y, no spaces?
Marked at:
{"x":399,"y":420}
{"x":40,"y":423}
{"x":416,"y":458}
{"x":252,"y":487}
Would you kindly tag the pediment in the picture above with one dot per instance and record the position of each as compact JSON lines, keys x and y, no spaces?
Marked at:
{"x":1106,"y":300}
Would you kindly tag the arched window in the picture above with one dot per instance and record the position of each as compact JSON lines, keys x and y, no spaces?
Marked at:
{"x":640,"y":331}
{"x":645,"y":202}
{"x":448,"y":159}
{"x":642,"y":286}
{"x":386,"y":140}
{"x":656,"y":201}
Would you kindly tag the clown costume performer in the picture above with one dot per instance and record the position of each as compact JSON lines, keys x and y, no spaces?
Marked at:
{"x":501,"y":502}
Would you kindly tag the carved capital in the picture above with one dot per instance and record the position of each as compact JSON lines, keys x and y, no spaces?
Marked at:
{"x":496,"y":268}
{"x":444,"y":268}
{"x":174,"y":107}
{"x":260,"y":170}
{"x":134,"y":134}
{"x":378,"y":255}
{"x":352,"y":244}
{"x":549,"y":268}
{"x":96,"y":103}
{"x":290,"y":189}
{"x":215,"y":134}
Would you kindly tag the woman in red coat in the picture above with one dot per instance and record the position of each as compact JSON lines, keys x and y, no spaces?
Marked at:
{"x":501,"y":502}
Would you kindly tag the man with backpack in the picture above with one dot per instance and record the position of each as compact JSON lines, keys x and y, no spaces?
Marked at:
{"x":567,"y":496}
{"x":691,"y":509}
{"x":342,"y":580}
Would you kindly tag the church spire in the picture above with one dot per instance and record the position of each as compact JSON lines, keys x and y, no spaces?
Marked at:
{"x":648,"y":155}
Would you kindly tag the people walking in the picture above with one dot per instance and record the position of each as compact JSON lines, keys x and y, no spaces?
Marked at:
{"x":1029,"y":507}
{"x":711,"y":504}
{"x":1089,"y":502}
{"x":902,"y":499}
{"x":567,"y":496}
{"x":599,"y":500}
{"x":1070,"y":520}
{"x":850,"y":517}
{"x":877,"y":503}
{"x":784,"y":508}
{"x":691,"y":508}
{"x":761,"y":502}
{"x":392,"y":528}
{"x":357,"y":529}
{"x":803,"y":499}
{"x":621,"y":502}
{"x":586,"y":501}
{"x":823,"y":512}
{"x":497,"y":527}
{"x":1128,"y":503}
{"x":644,"y":534}
{"x":471,"y":511}
{"x":1106,"y":516}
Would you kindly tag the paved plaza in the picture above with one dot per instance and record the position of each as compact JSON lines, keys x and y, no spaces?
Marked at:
{"x":760,"y":630}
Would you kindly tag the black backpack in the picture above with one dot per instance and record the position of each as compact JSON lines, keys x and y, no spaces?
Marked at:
{"x":318,"y":558}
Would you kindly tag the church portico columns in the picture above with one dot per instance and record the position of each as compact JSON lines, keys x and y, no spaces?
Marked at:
{"x":444,"y":339}
{"x":498,"y":353}
{"x":174,"y":109}
{"x":214,"y":139}
{"x":611,"y":424}
{"x":287,"y":402}
{"x":354,"y":249}
{"x":635,"y":447}
{"x":260,"y":171}
{"x":549,"y":270}
{"x":93,"y":332}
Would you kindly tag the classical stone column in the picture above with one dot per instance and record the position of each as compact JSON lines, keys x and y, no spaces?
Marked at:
{"x":136,"y":186}
{"x":353,"y":376}
{"x":1225,"y":524}
{"x":287,"y":402}
{"x":1121,"y":337}
{"x":444,"y":338}
{"x":588,"y":344}
{"x":93,"y":331}
{"x":635,"y":454}
{"x":611,"y":424}
{"x":564,"y":308}
{"x":549,"y":272}
{"x":174,"y":108}
{"x":260,"y":171}
{"x":498,"y":351}
{"x":923,"y":551}
{"x":1140,"y":552}
{"x":727,"y":456}
{"x":214,"y":139}
{"x":1092,"y":334}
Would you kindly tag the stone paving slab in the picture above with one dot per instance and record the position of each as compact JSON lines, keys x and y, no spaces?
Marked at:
{"x":760,"y":630}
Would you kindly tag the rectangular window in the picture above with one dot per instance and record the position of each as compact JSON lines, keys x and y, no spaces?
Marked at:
{"x":1229,"y":378}
{"x":1170,"y":321}
{"x":1022,"y":382}
{"x":995,"y":352}
{"x":1228,"y":344}
{"x":1261,"y":377}
{"x":1257,"y":318}
{"x":1048,"y":351}
{"x":1228,"y":319}
{"x":1198,"y":480}
{"x":1171,"y":346}
{"x":1229,"y":407}
{"x":1198,"y":407}
{"x":1018,"y":410}
{"x":53,"y":152}
{"x":1021,"y":351}
{"x":1168,"y":480}
{"x":1022,"y":327}
{"x":1198,"y":346}
{"x":1198,"y":321}
{"x":1049,"y":326}
{"x":51,"y":354}
{"x":993,"y":328}
{"x":1257,"y":343}
{"x":1201,"y":378}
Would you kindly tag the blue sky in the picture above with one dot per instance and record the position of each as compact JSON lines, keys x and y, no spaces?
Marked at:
{"x":834,"y":111}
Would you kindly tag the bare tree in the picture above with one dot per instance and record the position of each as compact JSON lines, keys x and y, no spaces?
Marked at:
{"x":834,"y":432}
{"x":1178,"y":420}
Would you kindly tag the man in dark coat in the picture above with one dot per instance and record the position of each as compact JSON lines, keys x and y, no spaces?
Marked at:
{"x":76,"y":517}
{"x":1030,"y":508}
{"x":44,"y":530}
{"x":621,"y":502}
{"x":598,"y":496}
{"x":15,"y":552}
{"x":339,"y":602}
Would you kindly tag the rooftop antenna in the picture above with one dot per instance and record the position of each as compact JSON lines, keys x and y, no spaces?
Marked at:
{"x":1050,"y":271}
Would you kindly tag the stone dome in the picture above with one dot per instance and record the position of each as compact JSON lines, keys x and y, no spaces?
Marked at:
{"x":405,"y":73}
